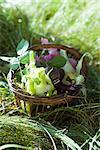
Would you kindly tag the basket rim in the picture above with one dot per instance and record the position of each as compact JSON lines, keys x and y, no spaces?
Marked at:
{"x":58,"y":46}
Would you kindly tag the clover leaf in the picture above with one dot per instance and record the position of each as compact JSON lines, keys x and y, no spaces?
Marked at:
{"x":22,"y":47}
{"x":58,"y":61}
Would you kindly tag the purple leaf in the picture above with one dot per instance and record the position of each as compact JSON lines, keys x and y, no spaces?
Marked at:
{"x":73,"y":62}
{"x":47,"y":57}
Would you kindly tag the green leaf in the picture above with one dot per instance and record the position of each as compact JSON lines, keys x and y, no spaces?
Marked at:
{"x":8,"y":59}
{"x":24,"y":59}
{"x":58,"y":61}
{"x":79,"y":65}
{"x":14,"y":63}
{"x":22,"y":47}
{"x":79,"y":79}
{"x":67,"y":67}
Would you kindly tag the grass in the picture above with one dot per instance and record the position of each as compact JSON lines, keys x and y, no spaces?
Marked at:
{"x":70,"y":23}
{"x":21,"y":131}
{"x":30,"y":133}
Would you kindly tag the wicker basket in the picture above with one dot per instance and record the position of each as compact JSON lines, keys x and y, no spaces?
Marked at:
{"x":41,"y":103}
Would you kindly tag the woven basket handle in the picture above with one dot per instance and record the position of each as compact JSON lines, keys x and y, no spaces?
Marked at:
{"x":72,"y":51}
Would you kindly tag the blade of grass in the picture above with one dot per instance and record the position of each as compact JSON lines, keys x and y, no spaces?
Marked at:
{"x":13,"y":146}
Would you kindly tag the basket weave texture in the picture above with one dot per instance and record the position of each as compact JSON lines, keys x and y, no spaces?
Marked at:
{"x":53,"y":100}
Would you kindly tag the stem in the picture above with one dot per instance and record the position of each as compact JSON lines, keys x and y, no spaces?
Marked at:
{"x":32,"y":59}
{"x":20,"y":70}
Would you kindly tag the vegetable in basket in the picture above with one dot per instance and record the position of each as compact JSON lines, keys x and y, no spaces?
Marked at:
{"x":43,"y":75}
{"x":36,"y":81}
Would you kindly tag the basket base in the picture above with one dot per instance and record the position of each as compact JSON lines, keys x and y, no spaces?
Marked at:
{"x":35,"y":110}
